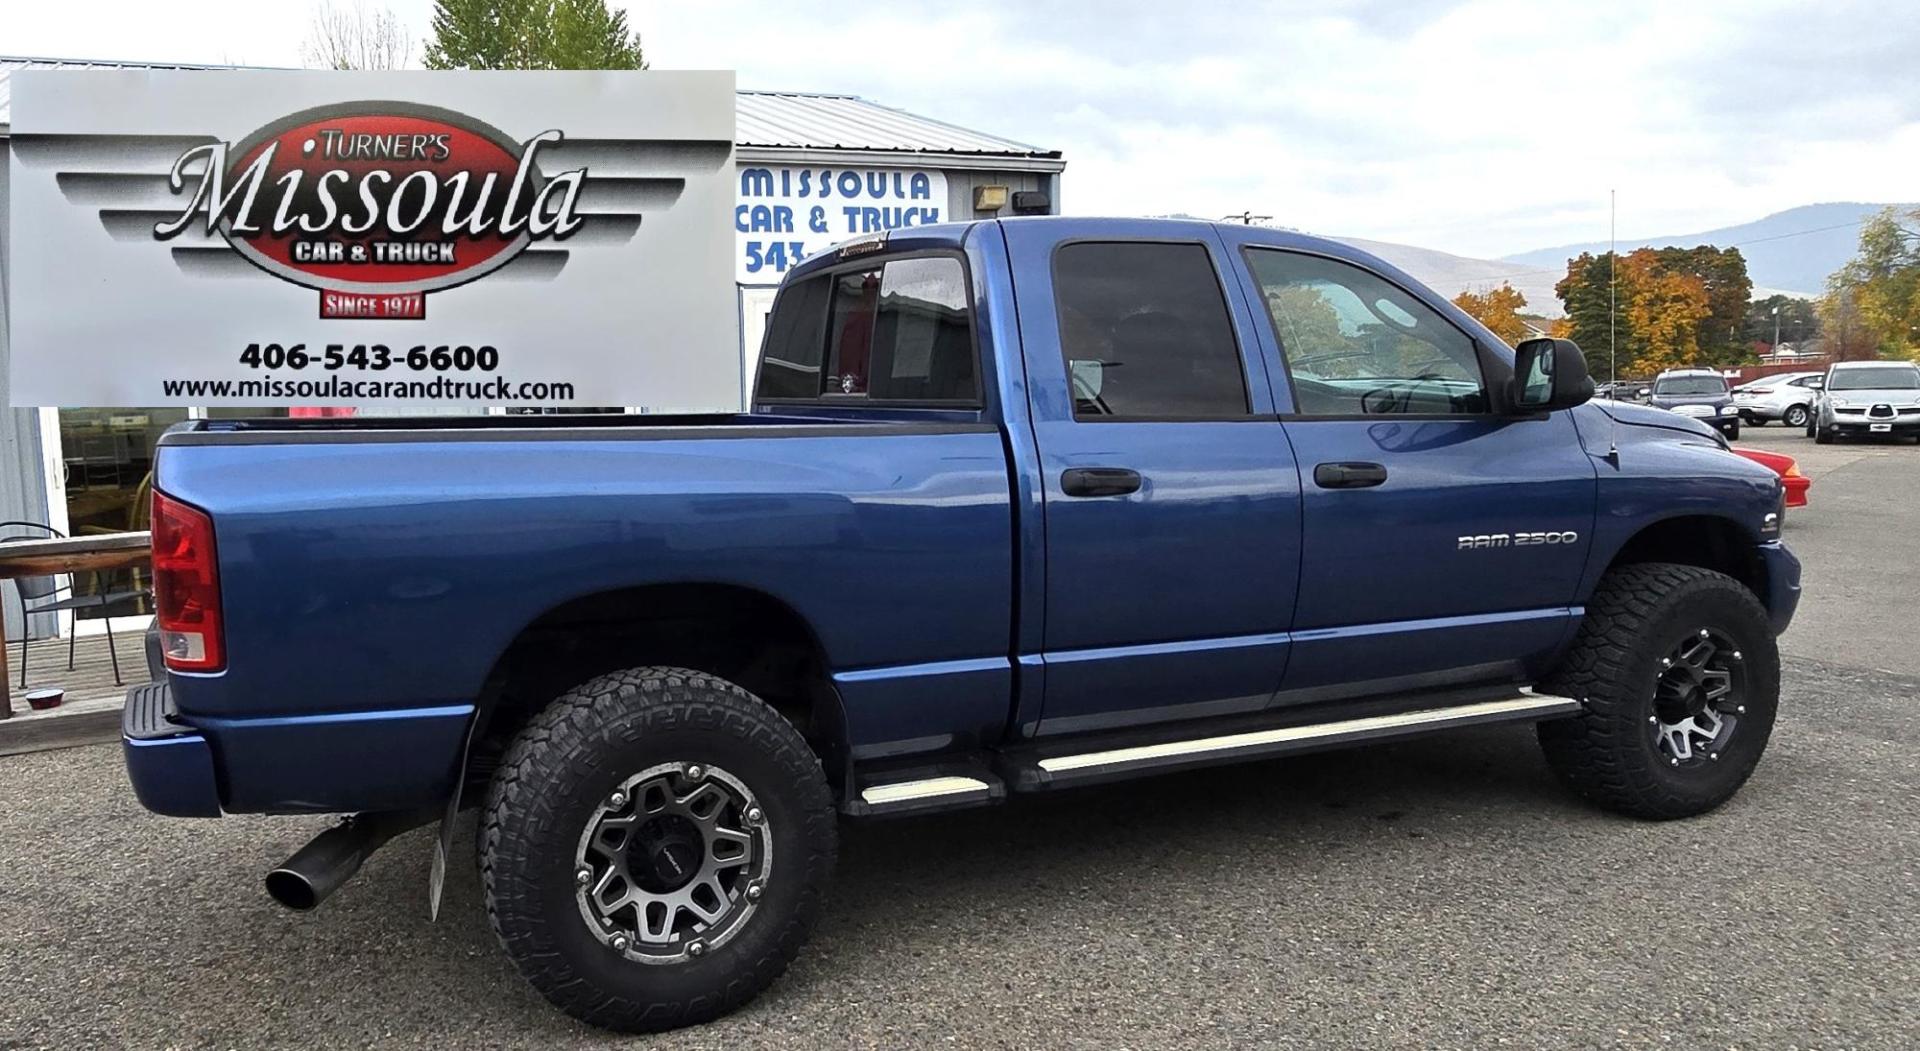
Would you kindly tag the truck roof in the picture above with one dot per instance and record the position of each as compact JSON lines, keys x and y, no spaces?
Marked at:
{"x":954,"y":235}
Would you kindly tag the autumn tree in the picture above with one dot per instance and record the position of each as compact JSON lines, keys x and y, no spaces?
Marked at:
{"x":1669,"y":306}
{"x":356,"y":36}
{"x":1722,"y":273}
{"x":1663,"y":311}
{"x":1846,"y":336}
{"x":1498,"y":309}
{"x":1879,"y":288}
{"x":531,"y":34}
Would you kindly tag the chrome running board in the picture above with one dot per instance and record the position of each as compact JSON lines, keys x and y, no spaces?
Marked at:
{"x":1087,"y":767}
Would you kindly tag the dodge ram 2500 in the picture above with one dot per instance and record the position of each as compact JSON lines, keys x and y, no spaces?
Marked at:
{"x":1018,"y":506}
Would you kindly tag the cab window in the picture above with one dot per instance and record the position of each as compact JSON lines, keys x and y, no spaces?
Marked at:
{"x":1145,"y":332}
{"x":1357,"y":344}
{"x":898,"y":332}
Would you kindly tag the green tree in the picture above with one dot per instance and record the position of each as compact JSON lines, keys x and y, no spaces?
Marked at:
{"x":1583,"y":292}
{"x":531,"y":34}
{"x":1799,"y":320}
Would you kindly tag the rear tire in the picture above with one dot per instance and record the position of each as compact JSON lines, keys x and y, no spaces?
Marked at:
{"x":761,"y":827}
{"x":1639,"y":748}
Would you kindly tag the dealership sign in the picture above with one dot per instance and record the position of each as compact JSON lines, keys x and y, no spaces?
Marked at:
{"x":785,"y":214}
{"x":262,"y":238}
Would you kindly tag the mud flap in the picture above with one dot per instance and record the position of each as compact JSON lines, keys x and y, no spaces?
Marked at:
{"x":443,"y":843}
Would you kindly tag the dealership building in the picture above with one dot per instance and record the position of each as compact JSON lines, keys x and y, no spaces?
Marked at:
{"x":86,"y":470}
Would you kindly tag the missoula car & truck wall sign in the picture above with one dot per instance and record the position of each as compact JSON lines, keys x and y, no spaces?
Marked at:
{"x":270,"y":238}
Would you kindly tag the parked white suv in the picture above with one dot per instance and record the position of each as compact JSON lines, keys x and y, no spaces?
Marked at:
{"x":1867,"y":398}
{"x":1787,"y":397}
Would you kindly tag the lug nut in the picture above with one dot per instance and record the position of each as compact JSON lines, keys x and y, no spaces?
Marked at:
{"x":1713,"y":755}
{"x":754,"y":892}
{"x":696,"y":772}
{"x":1736,"y":655}
{"x":697,"y":949}
{"x":1666,"y":662}
{"x":1653,"y":718}
{"x":583,"y":877}
{"x":1704,"y":634}
{"x":620,"y":943}
{"x":617,"y":800}
{"x":753,"y":815}
{"x":1740,"y":709}
{"x":1674,"y":761}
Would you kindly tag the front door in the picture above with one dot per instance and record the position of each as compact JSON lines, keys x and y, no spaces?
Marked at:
{"x":1171,"y":498}
{"x":1443,"y":543}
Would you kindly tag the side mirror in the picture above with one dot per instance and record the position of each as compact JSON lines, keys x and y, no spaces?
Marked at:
{"x":1548,"y":374}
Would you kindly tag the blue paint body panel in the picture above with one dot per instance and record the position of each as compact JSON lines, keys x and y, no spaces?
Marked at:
{"x":173,"y":775}
{"x":959,"y":599}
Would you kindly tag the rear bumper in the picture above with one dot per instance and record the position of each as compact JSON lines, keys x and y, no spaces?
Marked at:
{"x":1783,"y":584}
{"x":169,"y":763}
{"x":334,"y":762}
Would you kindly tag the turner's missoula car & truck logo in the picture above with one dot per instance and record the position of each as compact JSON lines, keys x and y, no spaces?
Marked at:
{"x":375,"y":204}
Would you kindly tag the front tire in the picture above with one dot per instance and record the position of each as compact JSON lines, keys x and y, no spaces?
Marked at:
{"x":1796,"y":416}
{"x":655,"y":848}
{"x":1680,"y":675}
{"x":1822,"y":435}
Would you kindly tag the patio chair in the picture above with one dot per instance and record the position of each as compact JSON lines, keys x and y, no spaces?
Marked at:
{"x":45,"y":595}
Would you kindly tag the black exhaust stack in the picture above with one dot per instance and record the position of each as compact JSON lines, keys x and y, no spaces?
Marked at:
{"x":331,"y":858}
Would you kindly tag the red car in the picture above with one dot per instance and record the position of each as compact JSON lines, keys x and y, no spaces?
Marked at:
{"x":1787,"y":469}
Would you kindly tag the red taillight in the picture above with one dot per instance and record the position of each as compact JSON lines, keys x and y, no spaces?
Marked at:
{"x":186,"y":586}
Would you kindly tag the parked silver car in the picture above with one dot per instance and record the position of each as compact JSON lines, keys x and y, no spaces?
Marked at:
{"x":1787,"y":397}
{"x":1867,"y":398}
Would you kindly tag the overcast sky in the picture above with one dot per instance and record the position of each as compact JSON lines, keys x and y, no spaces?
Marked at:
{"x":1481,"y":127}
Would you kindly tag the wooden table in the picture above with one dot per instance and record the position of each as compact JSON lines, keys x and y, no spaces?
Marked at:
{"x":36,"y":558}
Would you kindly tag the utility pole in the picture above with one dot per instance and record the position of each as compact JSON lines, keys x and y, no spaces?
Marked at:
{"x":1776,"y":331}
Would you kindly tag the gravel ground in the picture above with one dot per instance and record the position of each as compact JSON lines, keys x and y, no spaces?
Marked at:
{"x":1436,"y":893}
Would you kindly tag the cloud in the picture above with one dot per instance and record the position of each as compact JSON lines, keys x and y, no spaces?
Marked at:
{"x":1482,"y":127}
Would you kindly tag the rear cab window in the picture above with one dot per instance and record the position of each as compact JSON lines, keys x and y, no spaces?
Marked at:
{"x":894,"y":331}
{"x":1145,"y":332}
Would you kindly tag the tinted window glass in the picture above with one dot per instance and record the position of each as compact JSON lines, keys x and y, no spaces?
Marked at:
{"x":923,"y":346}
{"x":1145,"y":332}
{"x":1676,"y":385}
{"x":898,"y":332}
{"x":796,"y":338}
{"x":1889,"y":377}
{"x":856,"y":299}
{"x":1357,"y":344}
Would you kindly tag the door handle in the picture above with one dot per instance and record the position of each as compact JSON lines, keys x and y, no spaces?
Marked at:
{"x":1349,"y":475}
{"x":1099,"y":481}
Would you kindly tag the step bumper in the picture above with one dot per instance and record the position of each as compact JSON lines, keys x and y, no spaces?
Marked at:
{"x":169,"y":763}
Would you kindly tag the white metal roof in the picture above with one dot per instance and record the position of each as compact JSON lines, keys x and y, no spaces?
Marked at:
{"x":763,"y":120}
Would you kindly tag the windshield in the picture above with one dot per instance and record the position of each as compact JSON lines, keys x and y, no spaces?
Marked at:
{"x":1668,"y":386}
{"x":1892,"y":377}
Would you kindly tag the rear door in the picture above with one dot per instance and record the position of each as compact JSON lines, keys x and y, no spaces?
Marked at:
{"x":1172,"y":503}
{"x":1443,"y":543}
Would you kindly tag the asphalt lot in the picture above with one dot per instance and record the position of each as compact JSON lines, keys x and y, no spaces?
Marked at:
{"x":1438,"y":893}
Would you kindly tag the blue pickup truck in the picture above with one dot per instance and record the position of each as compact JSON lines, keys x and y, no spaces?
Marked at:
{"x":1019,"y":505}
